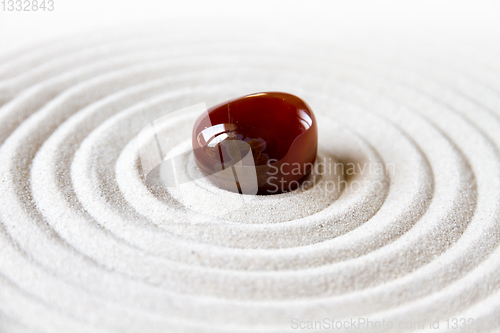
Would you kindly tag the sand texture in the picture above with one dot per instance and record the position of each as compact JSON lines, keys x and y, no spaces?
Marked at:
{"x":86,"y":245}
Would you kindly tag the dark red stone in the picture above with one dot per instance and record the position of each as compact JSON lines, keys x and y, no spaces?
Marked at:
{"x":278,"y":128}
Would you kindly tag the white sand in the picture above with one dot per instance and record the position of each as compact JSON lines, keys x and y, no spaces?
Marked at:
{"x":87,"y":246}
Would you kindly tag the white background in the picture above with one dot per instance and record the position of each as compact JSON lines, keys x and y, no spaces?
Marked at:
{"x":454,"y":19}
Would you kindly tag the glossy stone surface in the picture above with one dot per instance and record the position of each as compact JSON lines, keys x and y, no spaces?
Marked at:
{"x":262,"y":143}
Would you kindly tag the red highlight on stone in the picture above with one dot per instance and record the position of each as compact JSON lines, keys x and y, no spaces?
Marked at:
{"x":263,"y":143}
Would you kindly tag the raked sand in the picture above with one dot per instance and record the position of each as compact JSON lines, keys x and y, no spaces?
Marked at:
{"x":86,"y":245}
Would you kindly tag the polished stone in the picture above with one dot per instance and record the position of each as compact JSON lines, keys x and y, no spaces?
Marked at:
{"x":262,"y":143}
